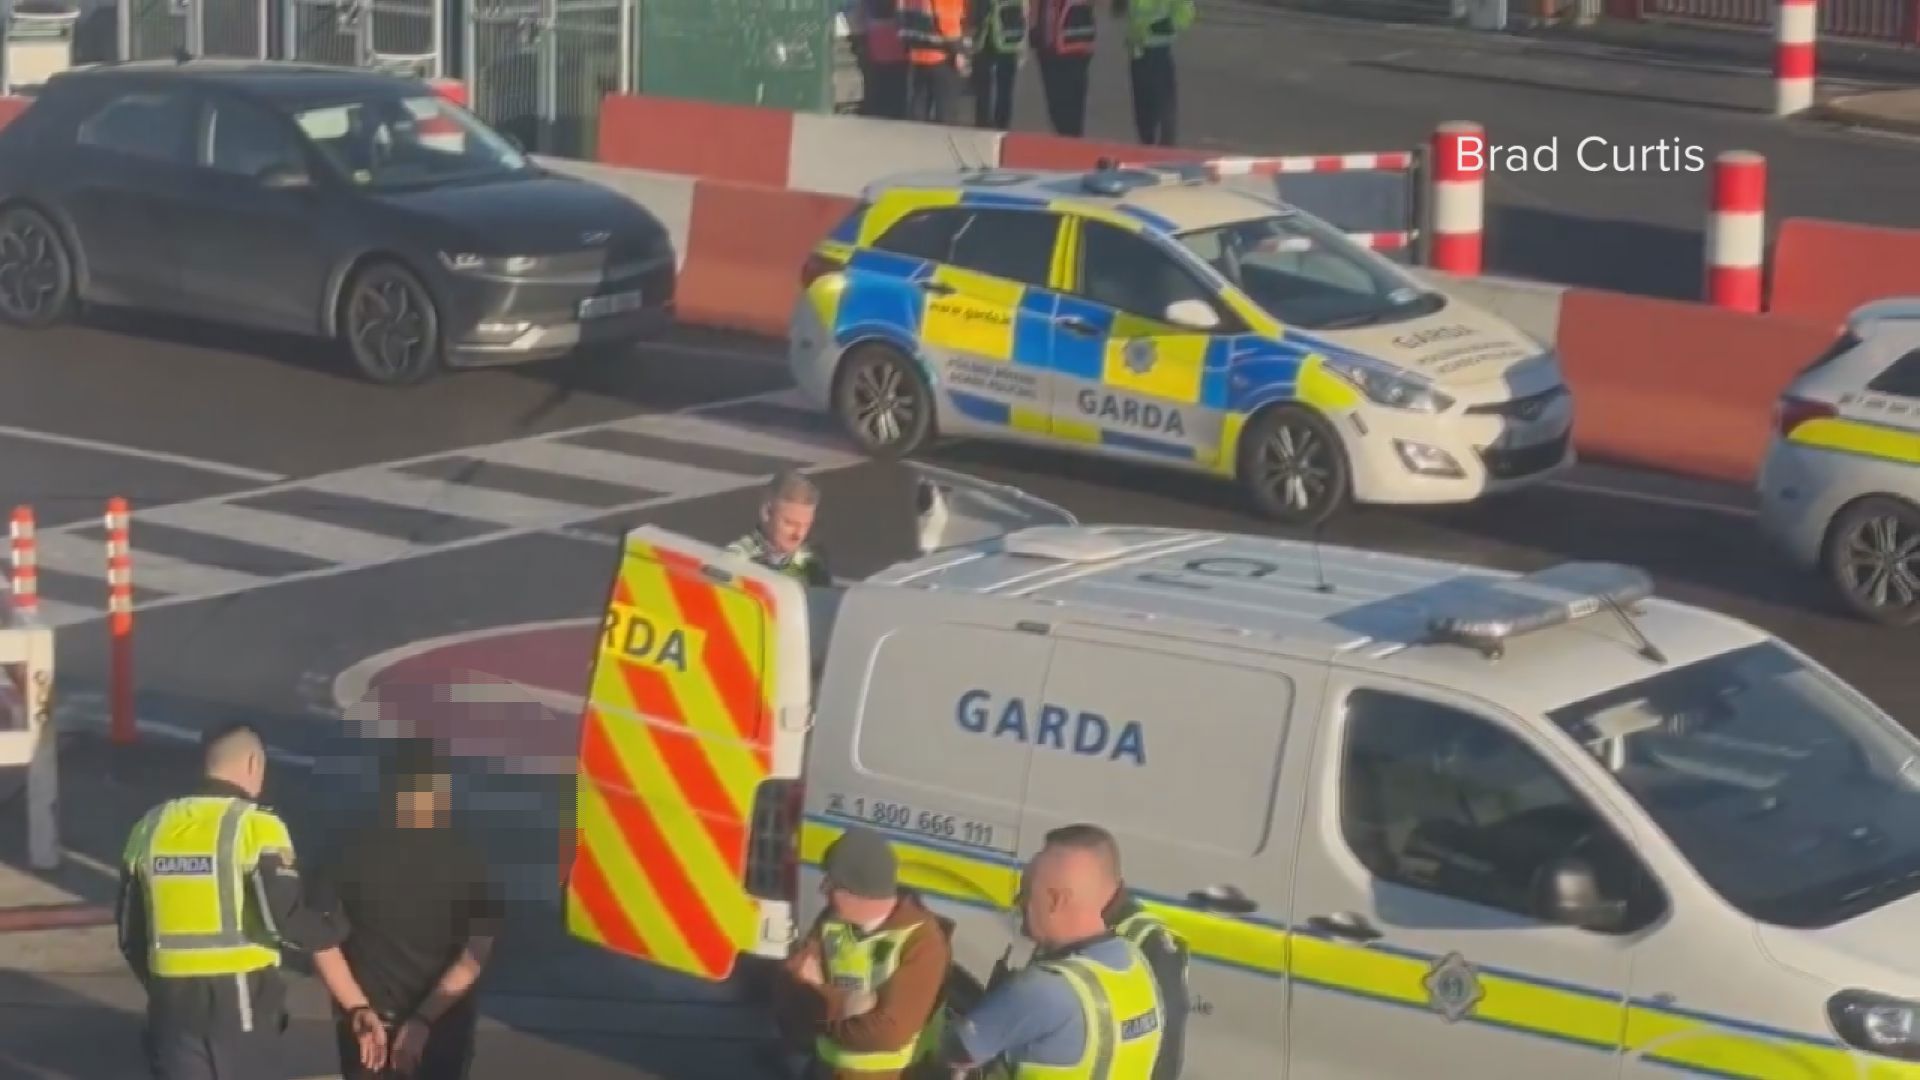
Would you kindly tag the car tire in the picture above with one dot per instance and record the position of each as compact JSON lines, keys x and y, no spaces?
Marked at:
{"x":1293,"y":467}
{"x":36,"y":271}
{"x":882,"y":402}
{"x":1873,"y":558}
{"x":391,"y":326}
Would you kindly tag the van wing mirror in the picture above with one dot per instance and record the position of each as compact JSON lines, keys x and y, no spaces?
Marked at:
{"x":953,"y":509}
{"x":1568,"y":892}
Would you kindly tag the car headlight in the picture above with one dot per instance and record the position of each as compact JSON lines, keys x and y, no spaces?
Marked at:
{"x":467,"y":263}
{"x":1390,"y":388}
{"x":1876,"y":1023}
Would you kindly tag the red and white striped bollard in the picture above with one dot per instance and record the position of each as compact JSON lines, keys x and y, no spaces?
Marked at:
{"x":1796,"y":28}
{"x":23,"y":564}
{"x":1459,"y":154}
{"x":1737,"y":231}
{"x":120,"y":618}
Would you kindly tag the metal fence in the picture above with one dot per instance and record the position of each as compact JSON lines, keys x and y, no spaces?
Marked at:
{"x":1871,"y":20}
{"x":538,"y":69}
{"x":157,"y":29}
{"x":399,"y":35}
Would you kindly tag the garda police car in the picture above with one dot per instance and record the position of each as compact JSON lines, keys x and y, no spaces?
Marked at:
{"x":1150,"y":315}
{"x":1412,"y":818}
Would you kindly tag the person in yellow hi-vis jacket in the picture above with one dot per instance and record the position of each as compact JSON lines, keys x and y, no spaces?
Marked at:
{"x":208,"y":895}
{"x":1152,"y":26}
{"x":999,"y":32}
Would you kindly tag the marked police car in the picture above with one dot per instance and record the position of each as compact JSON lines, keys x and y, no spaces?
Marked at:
{"x":1148,"y":314}
{"x":1403,"y":812}
{"x":1840,"y":486}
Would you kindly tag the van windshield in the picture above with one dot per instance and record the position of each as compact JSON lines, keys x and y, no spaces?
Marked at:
{"x":1307,"y":273}
{"x":1790,"y":794}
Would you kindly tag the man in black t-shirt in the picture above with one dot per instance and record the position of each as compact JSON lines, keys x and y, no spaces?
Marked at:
{"x":422,"y":917}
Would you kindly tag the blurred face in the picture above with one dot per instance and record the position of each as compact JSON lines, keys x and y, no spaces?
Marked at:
{"x":854,"y":909}
{"x":787,"y":525}
{"x":256,"y":776}
{"x":1039,"y":905}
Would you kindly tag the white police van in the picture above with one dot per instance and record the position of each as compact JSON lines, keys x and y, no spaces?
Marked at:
{"x":1413,"y":818}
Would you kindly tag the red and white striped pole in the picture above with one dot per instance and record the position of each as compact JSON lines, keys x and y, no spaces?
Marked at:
{"x":23,"y":565}
{"x":1796,"y":27}
{"x":1737,"y":231}
{"x":120,"y":618}
{"x":1459,"y":196}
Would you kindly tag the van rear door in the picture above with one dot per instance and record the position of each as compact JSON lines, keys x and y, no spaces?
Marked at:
{"x":696,"y":720}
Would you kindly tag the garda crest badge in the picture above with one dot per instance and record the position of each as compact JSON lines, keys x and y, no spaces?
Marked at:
{"x":1139,"y":355}
{"x":1453,"y":987}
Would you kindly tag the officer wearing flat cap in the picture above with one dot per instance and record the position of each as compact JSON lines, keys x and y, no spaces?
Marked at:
{"x":865,"y":991}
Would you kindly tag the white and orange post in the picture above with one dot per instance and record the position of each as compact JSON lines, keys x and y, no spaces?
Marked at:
{"x":120,"y":619}
{"x":1796,"y":29}
{"x":1737,"y":231}
{"x":23,"y":562}
{"x":1458,"y":214}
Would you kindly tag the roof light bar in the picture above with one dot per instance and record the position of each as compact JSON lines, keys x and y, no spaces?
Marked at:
{"x":1487,"y":614}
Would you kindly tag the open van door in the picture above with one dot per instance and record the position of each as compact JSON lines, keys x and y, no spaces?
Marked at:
{"x":690,"y":755}
{"x":953,"y":509}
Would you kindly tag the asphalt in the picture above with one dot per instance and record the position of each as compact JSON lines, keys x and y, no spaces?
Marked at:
{"x":1256,"y":78}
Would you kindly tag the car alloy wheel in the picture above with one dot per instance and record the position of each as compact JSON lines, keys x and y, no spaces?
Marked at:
{"x":1875,"y":559}
{"x":36,"y":275}
{"x":882,"y":402}
{"x":1294,"y":467}
{"x":392,"y":327}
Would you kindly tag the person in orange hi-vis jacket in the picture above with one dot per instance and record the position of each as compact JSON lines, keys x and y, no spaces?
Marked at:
{"x":1062,"y":34}
{"x":935,"y":33}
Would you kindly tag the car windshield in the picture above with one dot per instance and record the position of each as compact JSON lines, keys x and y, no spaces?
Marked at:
{"x":1793,"y":796}
{"x":391,"y":142}
{"x":1306,"y":273}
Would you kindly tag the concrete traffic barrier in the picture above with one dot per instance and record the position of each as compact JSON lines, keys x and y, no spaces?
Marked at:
{"x":1737,"y":231}
{"x":667,"y":197}
{"x":1824,"y":269}
{"x":1023,"y":151}
{"x":1532,"y":306}
{"x":1796,"y":28}
{"x":747,"y":244}
{"x":841,"y":155}
{"x":737,"y":143}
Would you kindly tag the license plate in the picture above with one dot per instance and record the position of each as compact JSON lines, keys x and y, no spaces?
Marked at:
{"x":596,"y":307}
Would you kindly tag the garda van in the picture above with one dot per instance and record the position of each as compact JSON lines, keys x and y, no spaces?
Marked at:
{"x":1413,"y":818}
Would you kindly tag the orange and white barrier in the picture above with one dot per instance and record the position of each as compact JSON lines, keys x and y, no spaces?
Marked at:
{"x":23,"y":574}
{"x":1398,"y":161}
{"x":1737,"y":231}
{"x":120,"y":619}
{"x":1459,"y":197}
{"x":1796,"y":26}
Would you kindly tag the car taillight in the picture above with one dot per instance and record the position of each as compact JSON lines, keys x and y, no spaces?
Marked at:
{"x":818,"y":266}
{"x":1790,"y":412}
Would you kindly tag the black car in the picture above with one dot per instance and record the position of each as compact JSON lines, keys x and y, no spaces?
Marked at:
{"x":336,"y":202}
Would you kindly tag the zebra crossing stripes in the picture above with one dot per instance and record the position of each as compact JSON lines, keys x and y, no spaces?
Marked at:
{"x":377,"y":514}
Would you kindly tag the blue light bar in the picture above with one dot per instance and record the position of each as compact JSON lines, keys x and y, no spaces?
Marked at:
{"x":1492,"y":612}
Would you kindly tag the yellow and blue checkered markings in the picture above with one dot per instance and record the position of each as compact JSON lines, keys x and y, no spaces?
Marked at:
{"x":1686,"y":1041}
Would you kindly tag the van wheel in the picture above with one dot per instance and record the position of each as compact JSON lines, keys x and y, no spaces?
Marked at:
{"x":882,"y":402}
{"x":1294,"y":467}
{"x":1873,"y":556}
{"x":36,"y":271}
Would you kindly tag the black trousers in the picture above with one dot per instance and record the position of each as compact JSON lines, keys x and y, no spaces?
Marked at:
{"x":449,"y":1053}
{"x":1064,"y":79}
{"x":993,"y":75}
{"x":933,"y":92}
{"x":178,"y":1055}
{"x":1155,"y":103}
{"x":885,"y":95}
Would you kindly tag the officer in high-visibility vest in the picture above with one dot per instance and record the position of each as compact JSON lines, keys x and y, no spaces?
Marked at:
{"x":1062,"y":34}
{"x":999,"y":33}
{"x":786,"y":520}
{"x":938,"y":57}
{"x":208,"y":896}
{"x":1087,"y":1007}
{"x":1151,"y":27}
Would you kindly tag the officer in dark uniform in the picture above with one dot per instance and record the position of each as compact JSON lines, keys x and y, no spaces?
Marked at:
{"x":786,"y":520}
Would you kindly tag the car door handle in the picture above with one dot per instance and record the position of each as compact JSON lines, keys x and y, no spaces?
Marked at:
{"x":937,"y":288}
{"x":1074,"y":324}
{"x":1224,"y":898}
{"x":1344,"y":924}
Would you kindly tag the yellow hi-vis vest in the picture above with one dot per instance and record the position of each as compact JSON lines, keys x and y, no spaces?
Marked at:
{"x":856,"y":963}
{"x":1154,"y":23}
{"x":1124,"y":1020}
{"x":195,"y":857}
{"x":1005,"y":28}
{"x":1140,"y":926}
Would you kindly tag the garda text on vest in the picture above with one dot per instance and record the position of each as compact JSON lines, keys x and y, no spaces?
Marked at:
{"x":1050,"y":726}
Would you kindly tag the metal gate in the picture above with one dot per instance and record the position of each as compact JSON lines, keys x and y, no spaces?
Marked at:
{"x":393,"y":35}
{"x":538,"y":69}
{"x":157,"y":29}
{"x":1871,"y":20}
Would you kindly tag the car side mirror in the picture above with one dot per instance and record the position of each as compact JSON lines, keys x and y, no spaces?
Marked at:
{"x":284,"y":178}
{"x":1568,"y":892}
{"x":1193,"y":314}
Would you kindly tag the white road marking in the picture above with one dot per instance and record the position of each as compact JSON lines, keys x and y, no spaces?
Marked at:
{"x":443,"y":496}
{"x":350,"y":686}
{"x":302,"y":536}
{"x":1654,"y":498}
{"x":653,"y":474}
{"x":158,"y":456}
{"x":70,"y":553}
{"x":702,"y":429}
{"x":160,"y":729}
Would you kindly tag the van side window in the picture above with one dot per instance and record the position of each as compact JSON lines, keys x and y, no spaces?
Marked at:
{"x":1160,"y":747}
{"x":1437,"y":799}
{"x":942,"y":712}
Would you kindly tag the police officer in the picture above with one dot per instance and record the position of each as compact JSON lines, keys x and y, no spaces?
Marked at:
{"x":786,"y":520}
{"x":1000,"y":29}
{"x":883,"y":58}
{"x":1062,"y":34}
{"x":1151,"y":27}
{"x":1087,"y":1000}
{"x":937,"y":57}
{"x":208,"y":895}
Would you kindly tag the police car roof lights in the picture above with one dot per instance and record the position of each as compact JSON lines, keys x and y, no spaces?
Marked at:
{"x":1111,"y":180}
{"x":1487,"y":614}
